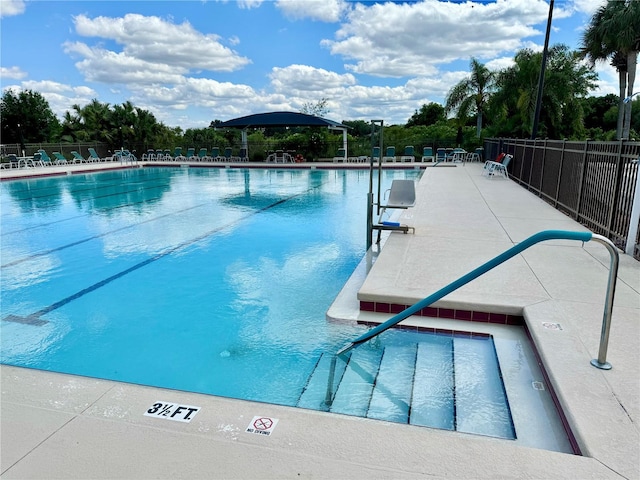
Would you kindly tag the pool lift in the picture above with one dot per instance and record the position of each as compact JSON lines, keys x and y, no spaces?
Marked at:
{"x":402,"y":193}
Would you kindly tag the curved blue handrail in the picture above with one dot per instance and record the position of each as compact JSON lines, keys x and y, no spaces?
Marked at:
{"x":472,"y":275}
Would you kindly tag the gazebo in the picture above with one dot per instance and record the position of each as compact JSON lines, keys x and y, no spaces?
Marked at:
{"x":282,"y":119}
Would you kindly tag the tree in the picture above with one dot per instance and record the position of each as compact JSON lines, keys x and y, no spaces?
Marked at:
{"x":614,"y":34}
{"x":429,"y":114}
{"x":470,"y":96}
{"x":26,"y":118}
{"x":567,"y":82}
{"x":319,"y":109}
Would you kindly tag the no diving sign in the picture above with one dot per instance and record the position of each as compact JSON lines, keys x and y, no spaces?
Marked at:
{"x":262,"y":425}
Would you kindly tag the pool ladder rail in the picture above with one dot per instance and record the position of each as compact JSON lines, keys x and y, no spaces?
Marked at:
{"x":600,"y":362}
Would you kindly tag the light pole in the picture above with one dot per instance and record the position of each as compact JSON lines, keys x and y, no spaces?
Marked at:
{"x":543,"y":66}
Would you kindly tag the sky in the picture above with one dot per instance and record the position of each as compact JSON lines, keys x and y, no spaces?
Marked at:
{"x":192,"y":62}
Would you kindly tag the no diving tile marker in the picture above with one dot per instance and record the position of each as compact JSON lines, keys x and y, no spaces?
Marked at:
{"x":172,"y":411}
{"x":262,"y":425}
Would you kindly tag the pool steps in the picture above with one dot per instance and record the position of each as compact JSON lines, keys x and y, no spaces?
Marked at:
{"x":419,"y":384}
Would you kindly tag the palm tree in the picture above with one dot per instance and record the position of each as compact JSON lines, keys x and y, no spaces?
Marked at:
{"x":614,"y":33}
{"x":471,"y":94}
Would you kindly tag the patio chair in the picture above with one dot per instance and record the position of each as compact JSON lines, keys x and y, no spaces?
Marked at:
{"x":441,"y":155}
{"x":341,"y":156}
{"x":60,"y":159}
{"x":201,"y":157}
{"x":408,"y":155}
{"x":149,"y":155}
{"x":183,"y":158}
{"x":215,"y":155}
{"x":93,"y":156}
{"x":493,"y":169}
{"x":390,"y":155}
{"x":44,"y":159}
{"x":77,"y":158}
{"x":427,"y":154}
{"x":376,"y":154}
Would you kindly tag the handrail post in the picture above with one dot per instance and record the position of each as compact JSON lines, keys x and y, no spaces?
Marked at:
{"x":601,"y":361}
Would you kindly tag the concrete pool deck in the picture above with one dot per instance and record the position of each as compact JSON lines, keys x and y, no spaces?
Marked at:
{"x":63,"y":426}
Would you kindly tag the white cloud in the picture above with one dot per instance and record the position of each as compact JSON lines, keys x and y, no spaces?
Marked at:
{"x":410,"y":39}
{"x":304,"y":78}
{"x":156,"y":41}
{"x":588,"y":6}
{"x":249,"y":4}
{"x":12,"y":72}
{"x":59,"y":96}
{"x":11,"y":7}
{"x":329,"y":11}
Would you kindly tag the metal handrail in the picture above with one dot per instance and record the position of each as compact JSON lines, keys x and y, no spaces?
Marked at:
{"x":600,"y":362}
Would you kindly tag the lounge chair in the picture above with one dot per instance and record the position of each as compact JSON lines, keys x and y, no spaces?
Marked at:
{"x":390,"y":155}
{"x":215,"y":155}
{"x":402,"y":195}
{"x":183,"y":158}
{"x":201,"y":156}
{"x":93,"y":156}
{"x":77,"y":158}
{"x":427,"y":154}
{"x":177,"y":152}
{"x":492,"y":169}
{"x":60,"y":159}
{"x":408,"y":155}
{"x":44,"y":159}
{"x":341,"y":156}
{"x":376,"y":154}
{"x":150,"y":155}
{"x":441,"y":155}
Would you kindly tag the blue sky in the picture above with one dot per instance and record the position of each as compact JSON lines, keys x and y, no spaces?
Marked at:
{"x":190,"y":62}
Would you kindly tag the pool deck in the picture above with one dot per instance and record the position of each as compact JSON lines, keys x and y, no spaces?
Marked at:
{"x":63,"y":426}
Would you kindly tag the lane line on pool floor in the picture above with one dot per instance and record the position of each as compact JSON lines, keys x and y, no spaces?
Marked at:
{"x":34,"y":318}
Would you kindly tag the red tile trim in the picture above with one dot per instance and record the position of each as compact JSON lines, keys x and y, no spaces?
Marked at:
{"x":465,"y":315}
{"x":440,"y":331}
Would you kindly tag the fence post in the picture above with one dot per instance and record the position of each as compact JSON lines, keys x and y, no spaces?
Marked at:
{"x":533,"y":159}
{"x":635,"y":215}
{"x":564,"y":142}
{"x":616,"y":191}
{"x":582,"y":179}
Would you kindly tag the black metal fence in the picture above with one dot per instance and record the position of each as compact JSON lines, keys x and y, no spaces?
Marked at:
{"x":592,"y":182}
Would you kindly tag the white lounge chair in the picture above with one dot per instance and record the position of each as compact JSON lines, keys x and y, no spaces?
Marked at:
{"x":492,"y":169}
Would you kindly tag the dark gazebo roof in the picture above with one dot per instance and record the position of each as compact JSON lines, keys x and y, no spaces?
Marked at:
{"x":281,"y":119}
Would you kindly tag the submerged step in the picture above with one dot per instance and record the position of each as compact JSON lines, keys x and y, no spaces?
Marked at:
{"x":392,"y":392}
{"x":481,"y":402}
{"x":432,"y":404}
{"x":317,"y":391}
{"x":354,"y":392}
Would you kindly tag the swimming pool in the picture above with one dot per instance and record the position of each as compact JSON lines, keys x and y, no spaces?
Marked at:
{"x":207,"y":280}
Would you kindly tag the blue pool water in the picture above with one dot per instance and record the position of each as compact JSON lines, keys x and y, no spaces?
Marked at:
{"x":214,"y":281}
